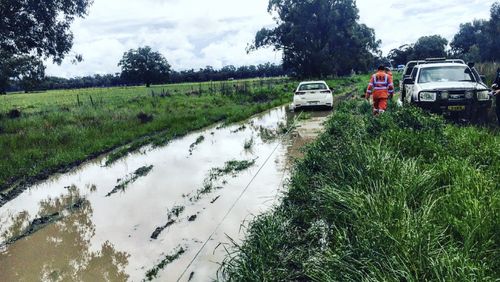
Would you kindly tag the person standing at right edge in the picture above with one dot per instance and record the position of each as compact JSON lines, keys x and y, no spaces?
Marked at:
{"x":496,"y":93}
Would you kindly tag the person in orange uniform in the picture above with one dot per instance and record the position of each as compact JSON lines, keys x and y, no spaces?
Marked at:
{"x":381,"y":87}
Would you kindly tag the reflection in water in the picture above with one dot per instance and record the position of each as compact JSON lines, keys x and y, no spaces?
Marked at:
{"x":50,"y":211}
{"x":60,"y":251}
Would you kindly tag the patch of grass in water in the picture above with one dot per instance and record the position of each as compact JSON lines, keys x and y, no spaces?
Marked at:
{"x":267,"y":135}
{"x":230,"y":168}
{"x":140,"y":172}
{"x":214,"y":199}
{"x":249,"y":144}
{"x":241,"y":128}
{"x":176,"y":212}
{"x":198,"y":141}
{"x":153,"y":273}
{"x":284,"y":128}
{"x":156,"y":140}
{"x":173,"y":215}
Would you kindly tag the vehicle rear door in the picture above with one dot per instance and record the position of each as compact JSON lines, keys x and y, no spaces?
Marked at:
{"x":411,"y":87}
{"x":316,"y":94}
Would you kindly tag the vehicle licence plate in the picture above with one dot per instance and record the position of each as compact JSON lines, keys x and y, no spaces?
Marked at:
{"x":313,"y":102}
{"x":456,"y":108}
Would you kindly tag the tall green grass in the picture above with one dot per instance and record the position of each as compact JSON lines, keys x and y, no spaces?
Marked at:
{"x":401,"y":197}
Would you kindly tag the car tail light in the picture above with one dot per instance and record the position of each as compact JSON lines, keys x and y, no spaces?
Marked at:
{"x":326,"y":92}
{"x":300,"y":93}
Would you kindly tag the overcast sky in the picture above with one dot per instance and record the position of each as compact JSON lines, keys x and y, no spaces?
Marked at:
{"x":197,"y":33}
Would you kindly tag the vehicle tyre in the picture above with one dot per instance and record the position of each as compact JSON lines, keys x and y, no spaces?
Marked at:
{"x":481,"y":116}
{"x":412,"y":102}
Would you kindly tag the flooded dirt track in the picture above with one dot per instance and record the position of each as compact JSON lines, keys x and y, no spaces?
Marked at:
{"x":147,"y":216}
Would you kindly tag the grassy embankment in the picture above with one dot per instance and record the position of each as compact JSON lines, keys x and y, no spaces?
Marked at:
{"x":59,"y":129}
{"x":403,"y":197}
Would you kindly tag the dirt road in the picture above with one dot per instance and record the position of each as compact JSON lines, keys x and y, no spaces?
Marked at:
{"x":150,"y":215}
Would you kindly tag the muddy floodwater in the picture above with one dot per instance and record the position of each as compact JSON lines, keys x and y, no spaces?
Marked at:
{"x":148,"y":215}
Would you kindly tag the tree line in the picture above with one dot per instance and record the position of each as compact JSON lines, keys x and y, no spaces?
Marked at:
{"x":113,"y":80}
{"x":477,"y":41}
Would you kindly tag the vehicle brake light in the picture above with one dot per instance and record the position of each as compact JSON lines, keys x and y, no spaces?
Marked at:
{"x":300,"y":93}
{"x":326,"y":91}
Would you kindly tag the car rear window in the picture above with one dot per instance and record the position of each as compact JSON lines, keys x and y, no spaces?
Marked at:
{"x":313,"y":86}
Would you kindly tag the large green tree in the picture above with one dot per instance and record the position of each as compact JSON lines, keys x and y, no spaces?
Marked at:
{"x":401,"y":55}
{"x":144,"y":65}
{"x":27,"y":71}
{"x":479,"y":40}
{"x":31,"y":29}
{"x":491,"y":52}
{"x":319,"y":37}
{"x":433,"y":46}
{"x":426,"y":47}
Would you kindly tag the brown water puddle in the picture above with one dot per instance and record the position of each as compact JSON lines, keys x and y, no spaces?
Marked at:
{"x":69,"y":230}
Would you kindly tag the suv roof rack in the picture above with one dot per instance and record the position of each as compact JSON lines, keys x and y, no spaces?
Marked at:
{"x":412,"y":64}
{"x":436,"y":61}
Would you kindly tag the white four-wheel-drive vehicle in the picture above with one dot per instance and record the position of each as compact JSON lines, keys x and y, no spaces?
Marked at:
{"x":313,"y":94}
{"x":448,"y":87}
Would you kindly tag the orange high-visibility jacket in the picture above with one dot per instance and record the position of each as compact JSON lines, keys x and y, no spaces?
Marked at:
{"x":381,"y":86}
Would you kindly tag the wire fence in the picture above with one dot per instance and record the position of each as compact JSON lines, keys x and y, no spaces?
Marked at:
{"x":95,"y":97}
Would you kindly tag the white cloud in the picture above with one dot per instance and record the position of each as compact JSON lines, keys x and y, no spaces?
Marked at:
{"x":398,"y":22}
{"x":195,"y":33}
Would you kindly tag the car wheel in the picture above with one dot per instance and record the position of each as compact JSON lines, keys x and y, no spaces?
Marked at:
{"x":481,"y":116}
{"x":412,"y":101}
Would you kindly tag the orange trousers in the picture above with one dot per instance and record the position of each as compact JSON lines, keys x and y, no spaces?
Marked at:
{"x":379,"y":105}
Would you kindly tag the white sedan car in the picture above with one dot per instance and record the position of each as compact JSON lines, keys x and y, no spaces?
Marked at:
{"x":313,"y":94}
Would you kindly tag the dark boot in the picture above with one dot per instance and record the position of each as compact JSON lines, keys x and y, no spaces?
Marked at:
{"x":498,"y":108}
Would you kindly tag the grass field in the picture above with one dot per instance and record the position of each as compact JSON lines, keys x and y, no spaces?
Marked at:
{"x":402,"y":197}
